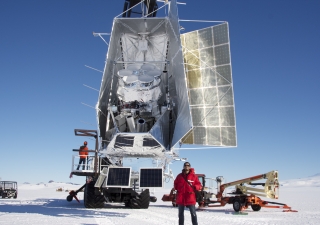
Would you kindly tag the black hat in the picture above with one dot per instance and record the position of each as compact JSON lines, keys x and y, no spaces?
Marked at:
{"x":186,"y":163}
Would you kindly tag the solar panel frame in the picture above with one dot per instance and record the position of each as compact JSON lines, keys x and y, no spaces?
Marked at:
{"x":208,"y":70}
{"x":151,"y":178}
{"x":111,"y":174}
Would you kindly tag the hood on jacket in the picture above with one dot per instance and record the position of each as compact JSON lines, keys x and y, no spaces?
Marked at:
{"x":191,"y":171}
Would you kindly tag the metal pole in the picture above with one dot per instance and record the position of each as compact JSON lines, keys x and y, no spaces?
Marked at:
{"x":96,"y":155}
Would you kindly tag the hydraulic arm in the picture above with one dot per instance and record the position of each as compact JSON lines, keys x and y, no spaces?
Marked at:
{"x":270,"y":187}
{"x":245,"y":194}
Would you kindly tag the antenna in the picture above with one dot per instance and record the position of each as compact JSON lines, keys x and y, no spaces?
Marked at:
{"x":93,"y":68}
{"x":94,"y":108}
{"x":88,"y":105}
{"x":100,"y":35}
{"x":203,"y":21}
{"x":91,"y":87}
{"x":166,"y":1}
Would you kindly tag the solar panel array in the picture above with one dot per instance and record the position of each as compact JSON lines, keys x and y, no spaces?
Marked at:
{"x":210,"y":88}
{"x":118,"y":177}
{"x":150,"y":177}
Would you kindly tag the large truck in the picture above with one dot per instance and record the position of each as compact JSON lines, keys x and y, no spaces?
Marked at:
{"x":8,"y":189}
{"x":161,"y":90}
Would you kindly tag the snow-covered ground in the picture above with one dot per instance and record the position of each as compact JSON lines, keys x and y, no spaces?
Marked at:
{"x":42,"y":204}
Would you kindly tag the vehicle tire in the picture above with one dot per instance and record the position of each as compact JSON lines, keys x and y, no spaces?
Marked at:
{"x":141,"y":201}
{"x":256,"y":207}
{"x":237,"y":205}
{"x":15,"y":195}
{"x":90,"y":199}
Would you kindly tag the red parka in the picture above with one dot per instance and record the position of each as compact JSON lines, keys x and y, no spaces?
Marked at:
{"x":185,"y":193}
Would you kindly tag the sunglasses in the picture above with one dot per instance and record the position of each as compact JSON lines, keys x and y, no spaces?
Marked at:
{"x":186,"y":165}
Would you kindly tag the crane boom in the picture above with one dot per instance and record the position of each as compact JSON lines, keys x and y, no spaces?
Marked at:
{"x":271,"y":186}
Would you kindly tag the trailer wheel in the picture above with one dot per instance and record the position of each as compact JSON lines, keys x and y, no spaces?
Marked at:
{"x":256,"y":207}
{"x":141,"y":201}
{"x":90,"y":199}
{"x":237,"y":205}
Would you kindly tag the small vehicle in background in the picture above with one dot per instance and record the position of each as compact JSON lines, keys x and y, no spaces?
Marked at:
{"x":8,"y":189}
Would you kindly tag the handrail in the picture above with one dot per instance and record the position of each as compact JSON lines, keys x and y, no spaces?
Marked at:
{"x":89,"y":167}
{"x":77,"y":150}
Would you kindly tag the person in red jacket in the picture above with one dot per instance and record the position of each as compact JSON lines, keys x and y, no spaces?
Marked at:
{"x":185,"y":184}
{"x":83,"y":153}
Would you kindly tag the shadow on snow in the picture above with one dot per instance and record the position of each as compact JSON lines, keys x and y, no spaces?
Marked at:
{"x":206,"y":209}
{"x":55,"y":207}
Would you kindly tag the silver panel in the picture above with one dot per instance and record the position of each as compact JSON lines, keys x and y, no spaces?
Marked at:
{"x":214,"y":135}
{"x":210,"y":90}
{"x":221,"y":34}
{"x":196,"y":97}
{"x":226,"y":116}
{"x":228,"y":136}
{"x":210,"y":96}
{"x":200,"y":135}
{"x":225,"y":95}
{"x":222,"y":55}
{"x":160,"y":131}
{"x":191,"y":41}
{"x":182,"y":110}
{"x":164,"y":45}
{"x":205,"y":38}
{"x":123,"y":47}
{"x":212,"y":116}
{"x":209,"y":77}
{"x":198,"y":116}
{"x":224,"y":75}
{"x":207,"y":56}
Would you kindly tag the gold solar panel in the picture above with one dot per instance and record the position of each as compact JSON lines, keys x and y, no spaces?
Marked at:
{"x":207,"y":61}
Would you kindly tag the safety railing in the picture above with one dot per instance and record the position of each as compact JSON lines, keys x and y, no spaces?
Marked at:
{"x":87,"y":166}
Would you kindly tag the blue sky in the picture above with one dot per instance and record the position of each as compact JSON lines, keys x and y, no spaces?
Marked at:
{"x":275,"y":52}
